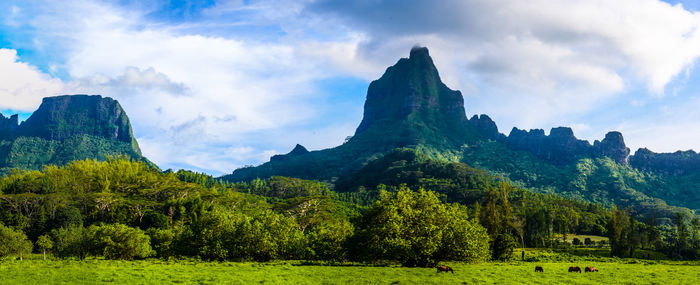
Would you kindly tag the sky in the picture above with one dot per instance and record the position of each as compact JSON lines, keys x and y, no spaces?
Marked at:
{"x":215,"y":85}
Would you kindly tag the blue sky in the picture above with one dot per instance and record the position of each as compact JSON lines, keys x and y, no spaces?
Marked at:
{"x":215,"y":85}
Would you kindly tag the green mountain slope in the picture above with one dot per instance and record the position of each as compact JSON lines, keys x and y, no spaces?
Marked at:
{"x":410,"y":107}
{"x":67,"y":128}
{"x":596,"y":179}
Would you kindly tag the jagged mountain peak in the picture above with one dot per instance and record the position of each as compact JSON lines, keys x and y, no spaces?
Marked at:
{"x":66,"y":128}
{"x":60,"y":117}
{"x":410,"y":97}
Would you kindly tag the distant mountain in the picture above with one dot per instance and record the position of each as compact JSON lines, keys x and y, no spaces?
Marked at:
{"x":409,"y":106}
{"x":66,"y":128}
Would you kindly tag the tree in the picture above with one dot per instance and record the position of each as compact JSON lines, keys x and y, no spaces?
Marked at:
{"x":417,"y":229}
{"x":618,"y":232}
{"x":497,"y":218}
{"x":653,"y":235}
{"x":72,"y":242}
{"x":13,"y":242}
{"x":117,"y":241}
{"x":682,"y":237}
{"x":695,"y":233}
{"x":44,"y":243}
{"x":537,"y":227}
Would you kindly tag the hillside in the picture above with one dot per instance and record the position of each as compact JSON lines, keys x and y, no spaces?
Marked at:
{"x":409,"y":106}
{"x":66,"y":128}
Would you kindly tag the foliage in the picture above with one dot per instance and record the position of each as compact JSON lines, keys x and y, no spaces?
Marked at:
{"x":72,"y":242}
{"x":44,"y":243}
{"x":32,"y":153}
{"x":417,"y":229}
{"x":597,"y":180}
{"x":117,"y":241}
{"x":620,"y":230}
{"x":124,"y":209}
{"x":13,"y":242}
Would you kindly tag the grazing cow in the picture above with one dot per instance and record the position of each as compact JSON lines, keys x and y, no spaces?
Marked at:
{"x":575,"y":269}
{"x":444,"y":268}
{"x":591,"y":269}
{"x":539,"y":269}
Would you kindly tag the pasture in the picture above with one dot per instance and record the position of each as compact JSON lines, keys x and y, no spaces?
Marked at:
{"x":582,"y":238}
{"x":295,"y":272}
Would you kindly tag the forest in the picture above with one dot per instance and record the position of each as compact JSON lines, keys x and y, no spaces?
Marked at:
{"x":404,"y":207}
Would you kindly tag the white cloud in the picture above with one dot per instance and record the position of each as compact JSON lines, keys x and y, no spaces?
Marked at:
{"x":22,"y":86}
{"x":215,"y":96}
{"x":532,"y":63}
{"x":132,"y":80}
{"x":191,"y":97}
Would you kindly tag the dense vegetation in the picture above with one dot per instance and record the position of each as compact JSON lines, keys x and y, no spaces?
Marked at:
{"x":599,"y":180}
{"x":32,"y":153}
{"x":67,"y":128}
{"x":122,"y":209}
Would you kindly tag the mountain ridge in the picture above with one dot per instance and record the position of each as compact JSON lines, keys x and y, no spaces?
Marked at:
{"x":66,"y":128}
{"x":409,"y":106}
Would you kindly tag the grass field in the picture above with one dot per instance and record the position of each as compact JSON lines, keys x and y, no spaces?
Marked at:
{"x":293,"y":272}
{"x":570,"y":238}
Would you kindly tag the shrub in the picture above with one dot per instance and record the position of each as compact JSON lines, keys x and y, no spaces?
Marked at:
{"x":576,"y":241}
{"x":118,"y":241}
{"x":71,"y":242}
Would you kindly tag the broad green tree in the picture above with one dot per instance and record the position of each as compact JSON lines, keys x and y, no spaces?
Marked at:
{"x":117,"y":241}
{"x":417,"y":229}
{"x":13,"y":242}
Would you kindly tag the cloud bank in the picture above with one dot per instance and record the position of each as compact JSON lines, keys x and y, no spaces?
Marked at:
{"x":214,"y":87}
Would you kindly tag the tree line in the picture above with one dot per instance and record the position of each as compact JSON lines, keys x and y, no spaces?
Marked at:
{"x":123,"y":209}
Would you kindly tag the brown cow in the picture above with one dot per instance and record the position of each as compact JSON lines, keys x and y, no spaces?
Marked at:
{"x":575,"y":269}
{"x":539,"y":269}
{"x":444,"y":268}
{"x":591,"y":269}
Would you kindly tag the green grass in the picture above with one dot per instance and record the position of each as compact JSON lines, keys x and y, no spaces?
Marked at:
{"x":583,"y":254}
{"x":294,"y":272}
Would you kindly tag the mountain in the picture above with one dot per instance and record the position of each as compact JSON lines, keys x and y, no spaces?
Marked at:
{"x":409,"y":106}
{"x":66,"y":128}
{"x":410,"y":99}
{"x":561,"y":146}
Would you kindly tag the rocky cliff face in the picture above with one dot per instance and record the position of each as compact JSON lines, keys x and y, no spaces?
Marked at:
{"x":410,"y":106}
{"x":8,"y":125}
{"x":561,"y":146}
{"x":486,"y":127}
{"x":66,"y":128}
{"x":677,"y":163}
{"x":61,"y":117}
{"x":407,"y":106}
{"x":298,"y":150}
{"x":411,"y":99}
{"x":613,"y":146}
